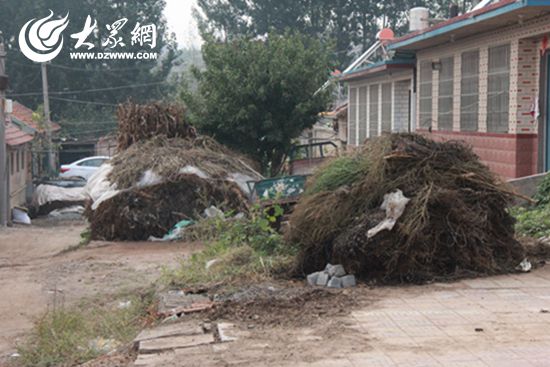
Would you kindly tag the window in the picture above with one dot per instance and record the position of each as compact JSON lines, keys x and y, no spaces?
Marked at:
{"x":498,"y":89}
{"x":445,"y":100}
{"x":373,"y":110}
{"x":469,"y":91}
{"x":386,"y":107}
{"x":352,"y":116}
{"x":425,"y":95}
{"x":12,"y":163}
{"x":362,"y":114}
{"x":92,"y":162}
{"x":23,"y":161}
{"x":18,"y":160}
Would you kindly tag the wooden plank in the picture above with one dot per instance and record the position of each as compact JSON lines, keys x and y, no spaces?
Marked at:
{"x":174,"y":342}
{"x":157,"y":359}
{"x":169,"y":330}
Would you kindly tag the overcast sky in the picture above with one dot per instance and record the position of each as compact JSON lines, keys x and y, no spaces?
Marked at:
{"x":180,"y":21}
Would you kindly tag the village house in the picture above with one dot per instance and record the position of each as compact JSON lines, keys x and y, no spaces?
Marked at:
{"x":18,"y":144}
{"x":481,"y":77}
{"x":21,"y":130}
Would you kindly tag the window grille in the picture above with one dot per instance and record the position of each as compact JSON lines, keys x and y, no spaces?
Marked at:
{"x":469,"y":91}
{"x":373,"y":110}
{"x":498,"y":89}
{"x":362,"y":115}
{"x":445,"y":100}
{"x":386,"y":107}
{"x":425,"y":94}
{"x":352,"y":116}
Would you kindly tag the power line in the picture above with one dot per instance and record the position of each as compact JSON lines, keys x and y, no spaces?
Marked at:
{"x":83,"y":102}
{"x":90,"y":90}
{"x":101,"y":70}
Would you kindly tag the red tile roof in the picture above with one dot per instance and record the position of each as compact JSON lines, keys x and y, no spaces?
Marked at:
{"x":15,"y":136}
{"x":470,"y":14}
{"x":24,"y":114}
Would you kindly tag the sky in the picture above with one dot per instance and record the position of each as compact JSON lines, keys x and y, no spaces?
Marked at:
{"x":180,"y":19}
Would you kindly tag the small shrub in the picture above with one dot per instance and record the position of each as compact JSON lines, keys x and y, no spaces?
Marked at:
{"x":543,"y":192}
{"x":533,"y":222}
{"x":339,"y":172}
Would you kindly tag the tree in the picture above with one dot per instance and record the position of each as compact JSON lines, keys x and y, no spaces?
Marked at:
{"x":256,"y":96}
{"x":350,"y":24}
{"x":88,"y":112}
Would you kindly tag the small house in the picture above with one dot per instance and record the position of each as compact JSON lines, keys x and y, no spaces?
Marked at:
{"x":482,"y":77}
{"x":18,"y":151}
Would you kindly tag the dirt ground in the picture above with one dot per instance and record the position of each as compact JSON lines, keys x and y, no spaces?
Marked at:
{"x":495,"y":321}
{"x":35,"y":272}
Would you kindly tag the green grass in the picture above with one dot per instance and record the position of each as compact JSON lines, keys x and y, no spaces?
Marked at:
{"x":66,"y":336}
{"x":245,"y":248}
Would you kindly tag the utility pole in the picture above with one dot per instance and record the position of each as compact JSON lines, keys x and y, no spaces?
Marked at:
{"x":4,"y":176}
{"x":51,"y":160}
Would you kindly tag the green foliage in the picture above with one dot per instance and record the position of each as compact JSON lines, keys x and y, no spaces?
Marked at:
{"x":533,"y":222}
{"x":339,"y":172}
{"x":246,"y":248}
{"x":66,"y":336}
{"x":350,"y":24}
{"x":257,"y":96}
{"x":543,"y":192}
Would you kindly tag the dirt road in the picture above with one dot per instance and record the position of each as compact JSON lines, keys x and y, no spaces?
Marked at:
{"x":33,"y":272}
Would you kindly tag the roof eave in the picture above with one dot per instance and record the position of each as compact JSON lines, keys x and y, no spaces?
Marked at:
{"x":467,"y":21}
{"x":376,"y":70}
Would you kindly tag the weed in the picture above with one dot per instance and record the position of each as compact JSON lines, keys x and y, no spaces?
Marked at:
{"x":66,"y":336}
{"x":533,"y":222}
{"x":236,"y":249}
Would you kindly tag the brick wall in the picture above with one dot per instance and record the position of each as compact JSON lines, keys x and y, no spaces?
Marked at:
{"x":508,"y":155}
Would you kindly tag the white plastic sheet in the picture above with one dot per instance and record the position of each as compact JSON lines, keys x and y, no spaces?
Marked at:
{"x":48,"y":193}
{"x":394,"y":204}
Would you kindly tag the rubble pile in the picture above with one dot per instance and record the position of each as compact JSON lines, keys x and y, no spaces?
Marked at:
{"x":416,"y":210}
{"x":334,"y":276}
{"x":161,"y":180}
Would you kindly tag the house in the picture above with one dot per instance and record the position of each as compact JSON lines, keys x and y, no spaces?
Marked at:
{"x":18,"y":144}
{"x":22,"y":116}
{"x":481,"y":77}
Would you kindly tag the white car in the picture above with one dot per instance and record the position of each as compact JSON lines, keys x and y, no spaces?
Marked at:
{"x":83,"y":168}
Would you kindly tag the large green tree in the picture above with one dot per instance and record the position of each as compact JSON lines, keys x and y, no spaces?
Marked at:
{"x":351,"y":25}
{"x":256,"y":96}
{"x":84,"y":92}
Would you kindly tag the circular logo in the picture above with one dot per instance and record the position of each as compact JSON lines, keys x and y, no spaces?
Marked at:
{"x":41,"y":40}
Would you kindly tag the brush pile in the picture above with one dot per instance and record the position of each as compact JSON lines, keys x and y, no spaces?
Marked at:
{"x":456,"y":222}
{"x":140,"y":122}
{"x":162,"y":175}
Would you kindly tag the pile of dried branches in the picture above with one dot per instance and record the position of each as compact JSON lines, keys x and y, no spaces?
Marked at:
{"x":141,"y":122}
{"x":152,"y":211}
{"x":163,"y":173}
{"x":456,"y":222}
{"x":169,"y":157}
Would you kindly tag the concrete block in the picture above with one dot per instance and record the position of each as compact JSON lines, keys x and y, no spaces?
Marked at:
{"x":322,"y":279}
{"x":335,"y":282}
{"x":312,"y":278}
{"x":335,"y":270}
{"x":348,"y":281}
